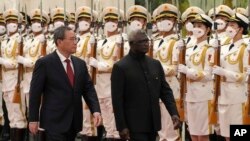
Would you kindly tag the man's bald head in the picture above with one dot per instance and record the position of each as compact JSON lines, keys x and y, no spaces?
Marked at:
{"x":138,"y":41}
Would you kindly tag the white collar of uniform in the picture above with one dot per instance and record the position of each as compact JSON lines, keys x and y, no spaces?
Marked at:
{"x":238,"y":43}
{"x":62,"y":58}
{"x":169,"y":37}
{"x":38,"y":36}
{"x":85,"y":35}
{"x":201,"y":44}
{"x":14,"y":36}
{"x":113,"y":37}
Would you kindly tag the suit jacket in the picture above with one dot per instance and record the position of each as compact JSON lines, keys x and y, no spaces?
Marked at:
{"x":137,"y":84}
{"x":61,"y":103}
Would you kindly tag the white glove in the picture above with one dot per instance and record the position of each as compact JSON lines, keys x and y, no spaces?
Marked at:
{"x":214,"y":43}
{"x":248,"y":46}
{"x":6,"y":63}
{"x":1,"y":61}
{"x":20,"y":59}
{"x":218,"y":70}
{"x":92,"y":39}
{"x":118,"y":39}
{"x":248,"y":70}
{"x":180,"y":44}
{"x":182,"y":68}
{"x":42,"y":39}
{"x":19,"y":39}
{"x":125,"y":37}
{"x":93,"y":62}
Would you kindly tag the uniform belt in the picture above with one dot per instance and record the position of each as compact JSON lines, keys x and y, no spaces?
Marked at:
{"x":102,"y":72}
{"x":27,"y":69}
{"x":8,"y":69}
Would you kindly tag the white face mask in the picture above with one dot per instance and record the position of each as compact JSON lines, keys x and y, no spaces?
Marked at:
{"x":135,"y":25}
{"x":36,"y":27}
{"x":198,"y":32}
{"x":189,"y":26}
{"x":2,"y":29}
{"x":220,"y":24}
{"x":51,"y":28}
{"x":231,"y":32}
{"x":83,"y":25}
{"x":58,"y":24}
{"x":12,"y":27}
{"x":72,"y":26}
{"x":110,"y":26}
{"x":158,"y":24}
{"x":167,"y":25}
{"x":154,"y":28}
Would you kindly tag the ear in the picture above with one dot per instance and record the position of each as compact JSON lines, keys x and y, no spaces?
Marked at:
{"x":59,"y":41}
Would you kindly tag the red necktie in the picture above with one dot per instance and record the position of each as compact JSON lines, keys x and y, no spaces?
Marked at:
{"x":70,"y":72}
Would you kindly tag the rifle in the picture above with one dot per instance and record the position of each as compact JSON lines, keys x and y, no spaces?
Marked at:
{"x":43,"y":45}
{"x":149,"y":28}
{"x":120,"y":27}
{"x":93,"y":46}
{"x":17,"y":93}
{"x":213,"y":117}
{"x":65,"y":19}
{"x":246,"y":114}
{"x":1,"y":77}
{"x":182,"y":76}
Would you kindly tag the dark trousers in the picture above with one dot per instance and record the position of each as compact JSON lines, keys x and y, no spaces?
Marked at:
{"x":70,"y":135}
{"x":148,"y":136}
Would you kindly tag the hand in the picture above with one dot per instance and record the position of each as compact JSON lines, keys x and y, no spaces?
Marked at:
{"x":182,"y":68}
{"x":20,"y":59}
{"x":248,"y":70}
{"x":1,"y":61}
{"x":248,"y":46}
{"x":19,"y":39}
{"x":97,"y":119}
{"x":119,"y":39}
{"x":215,"y":43}
{"x":176,"y":121}
{"x":218,"y":70}
{"x":93,"y":62}
{"x":42,"y":38}
{"x":92,"y":39}
{"x":180,"y":44}
{"x":33,"y":127}
{"x":124,"y":134}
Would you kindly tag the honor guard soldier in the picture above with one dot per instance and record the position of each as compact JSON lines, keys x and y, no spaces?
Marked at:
{"x":137,"y":18}
{"x":57,"y":15}
{"x":72,"y":21}
{"x":83,"y":19}
{"x":234,"y":60}
{"x":166,"y":52}
{"x":9,"y":50}
{"x":34,"y":48}
{"x":186,"y":17}
{"x":223,"y":13}
{"x":198,"y":70}
{"x":107,"y":55}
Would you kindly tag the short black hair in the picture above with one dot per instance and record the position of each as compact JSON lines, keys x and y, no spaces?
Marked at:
{"x":59,"y":33}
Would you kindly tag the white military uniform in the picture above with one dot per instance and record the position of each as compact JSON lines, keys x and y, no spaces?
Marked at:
{"x":105,"y":53}
{"x":166,"y":52}
{"x":199,"y":87}
{"x":1,"y":97}
{"x":9,"y":51}
{"x":232,"y":86}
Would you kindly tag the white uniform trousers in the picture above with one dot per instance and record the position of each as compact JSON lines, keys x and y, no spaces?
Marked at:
{"x":108,"y":117}
{"x":15,"y":114}
{"x":1,"y":105}
{"x":167,"y":132}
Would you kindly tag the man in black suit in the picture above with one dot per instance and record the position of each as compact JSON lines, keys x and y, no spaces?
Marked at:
{"x":137,"y":84}
{"x":61,"y":80}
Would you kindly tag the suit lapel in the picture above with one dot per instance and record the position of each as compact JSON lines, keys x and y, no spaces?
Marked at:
{"x":60,"y":69}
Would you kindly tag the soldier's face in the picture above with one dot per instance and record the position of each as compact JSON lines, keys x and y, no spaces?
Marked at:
{"x":141,"y":20}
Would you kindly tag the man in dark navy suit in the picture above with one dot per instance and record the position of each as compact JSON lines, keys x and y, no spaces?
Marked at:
{"x":61,"y":80}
